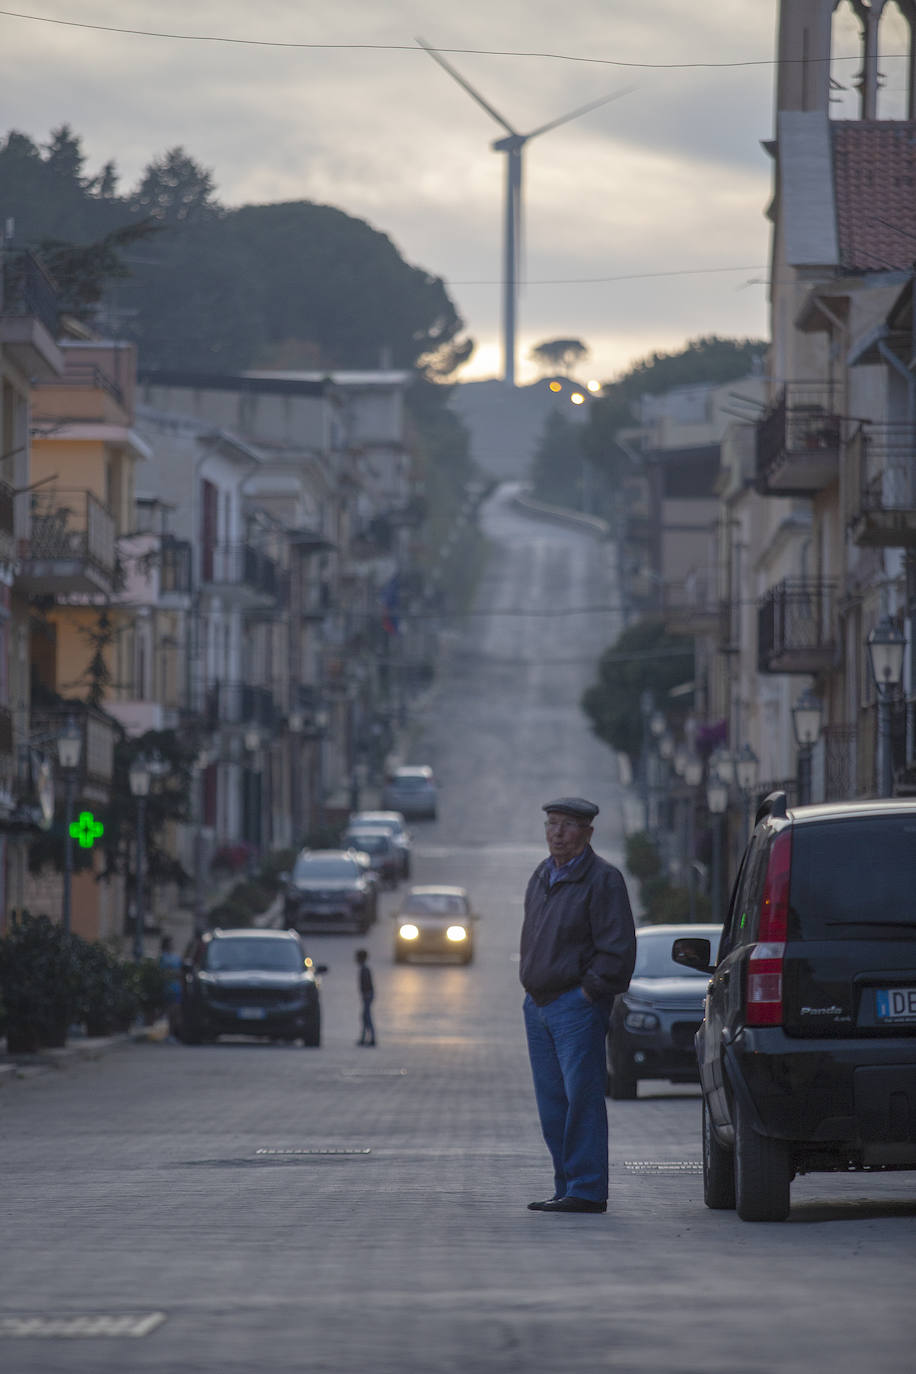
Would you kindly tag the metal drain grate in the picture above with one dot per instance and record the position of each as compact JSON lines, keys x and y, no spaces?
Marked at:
{"x":329,"y":1151}
{"x":84,"y":1326}
{"x":663,"y":1166}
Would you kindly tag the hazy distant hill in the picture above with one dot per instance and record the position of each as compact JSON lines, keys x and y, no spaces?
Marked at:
{"x":505,"y":422}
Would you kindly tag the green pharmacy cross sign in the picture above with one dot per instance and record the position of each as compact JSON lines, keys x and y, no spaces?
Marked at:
{"x":86,"y":830}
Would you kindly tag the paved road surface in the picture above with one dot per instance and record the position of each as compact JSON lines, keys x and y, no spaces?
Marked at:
{"x":356,"y":1211}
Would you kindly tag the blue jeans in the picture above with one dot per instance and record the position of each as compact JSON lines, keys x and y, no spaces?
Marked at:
{"x":566,"y":1042}
{"x":367,"y":1029}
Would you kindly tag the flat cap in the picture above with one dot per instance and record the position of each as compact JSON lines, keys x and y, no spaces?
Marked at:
{"x":573,"y":806}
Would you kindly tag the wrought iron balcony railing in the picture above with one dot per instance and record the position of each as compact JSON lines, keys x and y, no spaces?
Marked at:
{"x":239,"y":703}
{"x":241,"y":566}
{"x":795,"y":632}
{"x":175,"y":567}
{"x":72,"y":543}
{"x":881,"y":503}
{"x":799,"y":441}
{"x":27,"y":289}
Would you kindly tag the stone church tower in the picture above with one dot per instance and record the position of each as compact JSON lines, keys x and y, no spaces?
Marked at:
{"x":805,"y":46}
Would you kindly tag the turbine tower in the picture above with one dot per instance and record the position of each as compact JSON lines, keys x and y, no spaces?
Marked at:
{"x":512,"y":146}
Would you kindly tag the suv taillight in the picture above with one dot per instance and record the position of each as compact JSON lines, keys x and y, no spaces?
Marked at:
{"x":764,"y":967}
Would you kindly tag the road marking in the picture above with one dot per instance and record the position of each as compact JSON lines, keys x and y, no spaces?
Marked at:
{"x":657,"y":1166}
{"x":84,"y":1326}
{"x":328,"y":1151}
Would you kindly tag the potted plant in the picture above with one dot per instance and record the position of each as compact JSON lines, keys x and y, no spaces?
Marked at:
{"x":108,"y":993}
{"x":40,"y":979}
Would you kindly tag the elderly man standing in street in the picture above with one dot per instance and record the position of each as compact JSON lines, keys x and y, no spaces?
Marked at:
{"x":577,"y":952}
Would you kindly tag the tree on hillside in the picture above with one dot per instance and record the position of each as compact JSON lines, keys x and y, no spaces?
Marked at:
{"x":231,"y":290}
{"x":175,"y":190}
{"x":556,"y":468}
{"x":558,"y":355}
{"x":711,"y":359}
{"x":645,"y":656}
{"x":82,"y":272}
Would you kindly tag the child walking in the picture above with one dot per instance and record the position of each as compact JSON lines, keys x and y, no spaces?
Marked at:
{"x":366,"y":992}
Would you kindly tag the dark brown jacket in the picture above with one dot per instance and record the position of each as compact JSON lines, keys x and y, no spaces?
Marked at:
{"x":578,"y":933}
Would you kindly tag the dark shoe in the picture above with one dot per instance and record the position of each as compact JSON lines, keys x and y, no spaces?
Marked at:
{"x":572,"y":1204}
{"x":539,"y":1206}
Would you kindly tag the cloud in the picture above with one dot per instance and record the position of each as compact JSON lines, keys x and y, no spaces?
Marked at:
{"x":670,"y":176}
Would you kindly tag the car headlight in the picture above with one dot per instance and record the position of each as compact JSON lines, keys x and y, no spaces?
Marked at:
{"x":641,"y":1020}
{"x":456,"y":933}
{"x":409,"y":932}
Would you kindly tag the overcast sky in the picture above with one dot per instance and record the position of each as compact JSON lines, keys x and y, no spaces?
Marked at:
{"x":668,"y":179}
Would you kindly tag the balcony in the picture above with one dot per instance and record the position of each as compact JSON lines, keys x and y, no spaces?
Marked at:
{"x":28,"y":317}
{"x":795,"y":627}
{"x":175,"y":568}
{"x":238,"y":703}
{"x":99,"y":732}
{"x":691,"y":606}
{"x":244,"y":571}
{"x":71,"y":549}
{"x":881,"y":505}
{"x":799,"y":442}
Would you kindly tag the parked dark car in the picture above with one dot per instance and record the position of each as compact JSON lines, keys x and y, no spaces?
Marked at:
{"x":384,"y":857}
{"x":412,"y":791}
{"x":330,"y":889}
{"x":391,"y":823}
{"x":249,"y":982}
{"x":807,"y":1051}
{"x":435,"y":924}
{"x":654,"y":1023}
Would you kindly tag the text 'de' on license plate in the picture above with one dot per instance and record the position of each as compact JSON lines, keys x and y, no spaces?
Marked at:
{"x":896,"y":1004}
{"x":252,"y":1013}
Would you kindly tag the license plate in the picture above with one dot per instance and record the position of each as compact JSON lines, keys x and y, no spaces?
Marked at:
{"x":896,"y":1004}
{"x":251,"y":1013}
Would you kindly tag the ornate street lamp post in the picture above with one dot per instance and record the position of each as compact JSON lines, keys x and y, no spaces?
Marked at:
{"x":886,"y":647}
{"x":69,"y":750}
{"x":693,"y":776}
{"x":717,"y":802}
{"x":140,"y":777}
{"x":807,"y":714}
{"x":747,"y":768}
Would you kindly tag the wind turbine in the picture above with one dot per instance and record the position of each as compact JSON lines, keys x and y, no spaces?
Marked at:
{"x":512,"y":146}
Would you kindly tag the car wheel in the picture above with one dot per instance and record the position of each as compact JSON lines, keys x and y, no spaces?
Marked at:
{"x":718,"y":1169}
{"x":621,"y":1081}
{"x":311,"y":1036}
{"x":763,"y":1172}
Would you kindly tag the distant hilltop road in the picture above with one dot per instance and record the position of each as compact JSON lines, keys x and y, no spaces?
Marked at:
{"x":506,"y":422}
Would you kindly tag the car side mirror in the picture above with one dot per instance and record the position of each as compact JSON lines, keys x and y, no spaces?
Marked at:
{"x":320,"y":968}
{"x":693,"y":953}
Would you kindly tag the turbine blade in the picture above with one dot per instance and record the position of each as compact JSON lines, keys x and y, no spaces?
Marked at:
{"x":583,"y":109}
{"x":475,"y":95}
{"x":519,"y":226}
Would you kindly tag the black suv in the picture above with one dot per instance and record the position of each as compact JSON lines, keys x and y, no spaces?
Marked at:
{"x":249,"y":982}
{"x":331,"y":889}
{"x":807,"y":1051}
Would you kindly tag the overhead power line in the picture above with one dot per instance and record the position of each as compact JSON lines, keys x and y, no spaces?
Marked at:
{"x":629,"y":276}
{"x":409,"y":47}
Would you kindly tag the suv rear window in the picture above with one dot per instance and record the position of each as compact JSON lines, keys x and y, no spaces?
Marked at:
{"x":857,"y":874}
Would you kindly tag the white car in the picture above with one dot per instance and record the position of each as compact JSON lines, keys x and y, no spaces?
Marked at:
{"x":412,"y":791}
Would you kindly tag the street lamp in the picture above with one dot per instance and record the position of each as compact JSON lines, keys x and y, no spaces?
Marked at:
{"x":807,"y":714}
{"x":69,"y":750}
{"x":747,"y":768}
{"x":717,"y":802}
{"x":140,"y":777}
{"x":693,"y":776}
{"x":886,"y":647}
